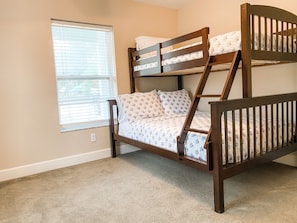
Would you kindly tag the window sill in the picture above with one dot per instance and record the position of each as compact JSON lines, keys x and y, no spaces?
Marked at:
{"x":83,"y":126}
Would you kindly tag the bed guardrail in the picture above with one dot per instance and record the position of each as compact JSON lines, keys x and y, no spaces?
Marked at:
{"x":153,"y":56}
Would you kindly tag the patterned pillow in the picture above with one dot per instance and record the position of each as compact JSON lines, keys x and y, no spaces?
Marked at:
{"x":175,"y":102}
{"x":139,"y":105}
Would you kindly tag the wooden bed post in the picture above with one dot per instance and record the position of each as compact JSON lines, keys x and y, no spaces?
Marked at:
{"x":216,"y":146}
{"x":246,"y":51}
{"x":218,"y":192}
{"x":112,"y":103}
{"x":132,"y":81}
{"x":179,"y":82}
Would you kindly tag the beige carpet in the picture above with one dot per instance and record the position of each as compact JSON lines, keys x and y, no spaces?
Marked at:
{"x":141,"y":187}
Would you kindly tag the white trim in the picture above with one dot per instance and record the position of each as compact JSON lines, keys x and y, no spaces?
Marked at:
{"x":84,"y":125}
{"x":34,"y":168}
{"x":27,"y":170}
{"x":126,"y":148}
{"x":290,"y":159}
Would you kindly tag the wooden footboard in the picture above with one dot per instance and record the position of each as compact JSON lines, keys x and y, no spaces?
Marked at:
{"x":249,"y":131}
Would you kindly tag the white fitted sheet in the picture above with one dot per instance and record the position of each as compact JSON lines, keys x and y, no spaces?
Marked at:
{"x":163,"y":131}
{"x":221,"y":44}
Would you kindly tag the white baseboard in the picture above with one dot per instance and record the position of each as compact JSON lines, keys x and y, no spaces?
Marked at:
{"x":30,"y":169}
{"x":125,"y":148}
{"x":27,"y":170}
{"x":290,"y":159}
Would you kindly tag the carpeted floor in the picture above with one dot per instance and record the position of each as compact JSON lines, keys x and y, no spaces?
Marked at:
{"x":144,"y":188}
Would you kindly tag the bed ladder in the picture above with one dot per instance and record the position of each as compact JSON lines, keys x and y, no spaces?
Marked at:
{"x":234,"y":58}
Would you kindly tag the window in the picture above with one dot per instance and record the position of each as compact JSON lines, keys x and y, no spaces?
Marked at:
{"x":85,"y":73}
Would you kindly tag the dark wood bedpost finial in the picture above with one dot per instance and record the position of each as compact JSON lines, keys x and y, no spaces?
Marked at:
{"x":130,"y":58}
{"x":246,"y":51}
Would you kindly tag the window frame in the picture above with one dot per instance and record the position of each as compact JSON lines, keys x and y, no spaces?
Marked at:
{"x":112,"y":77}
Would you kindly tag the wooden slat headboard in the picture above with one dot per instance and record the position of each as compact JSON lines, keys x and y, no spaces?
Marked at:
{"x":267,"y":33}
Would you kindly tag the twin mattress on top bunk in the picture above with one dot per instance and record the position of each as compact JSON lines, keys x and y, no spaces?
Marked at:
{"x":220,"y":44}
{"x":156,"y":118}
{"x":228,"y":42}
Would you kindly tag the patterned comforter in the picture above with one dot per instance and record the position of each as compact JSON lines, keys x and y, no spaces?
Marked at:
{"x":162,"y":132}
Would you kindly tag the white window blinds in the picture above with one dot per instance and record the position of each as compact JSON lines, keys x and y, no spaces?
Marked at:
{"x":85,"y":73}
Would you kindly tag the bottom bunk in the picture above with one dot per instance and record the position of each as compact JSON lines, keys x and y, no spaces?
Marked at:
{"x":236,"y":134}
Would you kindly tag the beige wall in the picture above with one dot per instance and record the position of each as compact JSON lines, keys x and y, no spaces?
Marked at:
{"x":30,"y":131}
{"x":221,"y":16}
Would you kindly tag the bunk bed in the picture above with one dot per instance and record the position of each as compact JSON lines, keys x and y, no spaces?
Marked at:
{"x":237,"y":134}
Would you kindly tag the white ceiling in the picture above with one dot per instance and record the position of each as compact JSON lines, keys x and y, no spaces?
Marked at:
{"x":175,"y":4}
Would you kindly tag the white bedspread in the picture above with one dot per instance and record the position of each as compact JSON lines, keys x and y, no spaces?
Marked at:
{"x":221,"y":44}
{"x":163,"y":131}
{"x":225,"y":43}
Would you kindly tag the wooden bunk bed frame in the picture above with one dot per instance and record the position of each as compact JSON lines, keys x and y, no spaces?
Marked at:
{"x":281,"y":109}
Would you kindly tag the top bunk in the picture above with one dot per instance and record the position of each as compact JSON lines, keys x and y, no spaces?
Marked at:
{"x":267,"y":33}
{"x":169,"y":57}
{"x":267,"y":36}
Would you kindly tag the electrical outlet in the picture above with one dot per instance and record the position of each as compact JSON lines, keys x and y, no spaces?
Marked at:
{"x":93,"y":137}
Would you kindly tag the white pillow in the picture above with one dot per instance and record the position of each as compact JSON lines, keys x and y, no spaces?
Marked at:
{"x":175,"y":102}
{"x":146,"y":41}
{"x":139,"y":105}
